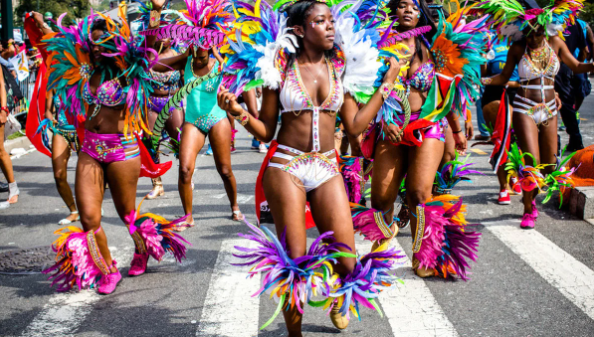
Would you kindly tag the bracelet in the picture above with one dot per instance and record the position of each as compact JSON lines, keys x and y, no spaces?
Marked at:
{"x":457,"y":131}
{"x":486,"y":80}
{"x":4,"y":108}
{"x":244,"y":118}
{"x":155,"y":19}
{"x":386,"y":89}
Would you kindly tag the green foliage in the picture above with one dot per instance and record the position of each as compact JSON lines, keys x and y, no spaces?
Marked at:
{"x":74,"y":8}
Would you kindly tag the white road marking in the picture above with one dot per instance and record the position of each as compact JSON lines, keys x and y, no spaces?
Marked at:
{"x":229,"y":309}
{"x":64,"y":312}
{"x":17,"y":156}
{"x":241,"y":198}
{"x":410,"y":308}
{"x":571,"y":277}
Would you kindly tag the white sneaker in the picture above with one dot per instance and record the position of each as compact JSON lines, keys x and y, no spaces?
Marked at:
{"x":262,"y":148}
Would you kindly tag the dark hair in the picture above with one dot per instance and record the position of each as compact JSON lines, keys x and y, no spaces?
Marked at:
{"x":424,"y":20}
{"x":99,"y":24}
{"x":297,"y":13}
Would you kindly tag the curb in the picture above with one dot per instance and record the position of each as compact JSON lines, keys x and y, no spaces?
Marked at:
{"x":581,"y":202}
{"x":23,"y":142}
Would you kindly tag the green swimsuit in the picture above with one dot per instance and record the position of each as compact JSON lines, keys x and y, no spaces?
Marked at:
{"x":202,"y":109}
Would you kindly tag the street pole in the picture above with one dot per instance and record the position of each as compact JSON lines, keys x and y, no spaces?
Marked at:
{"x":6,"y":20}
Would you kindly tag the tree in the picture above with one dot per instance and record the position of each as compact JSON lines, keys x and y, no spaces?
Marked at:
{"x":74,"y":9}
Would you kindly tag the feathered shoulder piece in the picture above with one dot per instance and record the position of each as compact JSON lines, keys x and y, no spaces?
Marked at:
{"x":69,"y":64}
{"x":457,"y":52}
{"x":509,"y":18}
{"x":259,"y":46}
{"x":202,"y":24}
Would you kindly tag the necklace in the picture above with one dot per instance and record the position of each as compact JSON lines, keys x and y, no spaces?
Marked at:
{"x":540,"y":54}
{"x":319,"y":71}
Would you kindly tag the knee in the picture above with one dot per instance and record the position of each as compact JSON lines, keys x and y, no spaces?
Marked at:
{"x":185,"y":173}
{"x":226,"y":172}
{"x":381,"y":201}
{"x":90,"y":221}
{"x":60,"y":176}
{"x":417,"y":196}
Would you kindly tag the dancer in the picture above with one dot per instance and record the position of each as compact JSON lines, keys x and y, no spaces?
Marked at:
{"x":308,"y":79}
{"x":64,"y":140}
{"x":202,"y":65}
{"x":409,"y":137}
{"x":164,"y":85}
{"x":5,"y":162}
{"x":537,"y":52}
{"x":111,"y":73}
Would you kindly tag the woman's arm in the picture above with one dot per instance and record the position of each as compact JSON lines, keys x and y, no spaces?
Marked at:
{"x":249,"y":97}
{"x":155,"y":21}
{"x":177,"y":62}
{"x":566,"y":57}
{"x":355,"y":120}
{"x":264,"y":128}
{"x":49,"y":102}
{"x":513,"y":58}
{"x":3,"y":101}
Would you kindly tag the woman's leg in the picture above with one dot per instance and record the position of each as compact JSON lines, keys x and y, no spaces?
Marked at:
{"x":547,"y":142}
{"x":287,"y":205}
{"x":174,"y":123}
{"x":122,"y":177}
{"x":220,"y":142}
{"x":527,"y":134}
{"x":449,"y":152}
{"x":60,"y":156}
{"x":423,"y":164}
{"x":157,"y":190}
{"x":89,"y":189}
{"x":5,"y":162}
{"x":389,"y":167}
{"x":233,"y":131}
{"x":191,"y":142}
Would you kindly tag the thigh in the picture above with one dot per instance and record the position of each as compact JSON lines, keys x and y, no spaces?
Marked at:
{"x":547,"y":142}
{"x":60,"y":152}
{"x":423,"y":164}
{"x":220,"y":141}
{"x":389,"y":168}
{"x":192,"y":141}
{"x":122,"y":177}
{"x":152,"y":118}
{"x":287,"y":205}
{"x":175,"y":123}
{"x":331,"y":212}
{"x":527,"y":134}
{"x":89,"y":187}
{"x":449,"y":152}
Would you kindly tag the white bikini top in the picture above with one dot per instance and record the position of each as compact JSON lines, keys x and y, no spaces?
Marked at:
{"x":295,"y":98}
{"x":528,"y":71}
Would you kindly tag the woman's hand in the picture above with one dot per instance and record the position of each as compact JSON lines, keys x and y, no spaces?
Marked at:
{"x":392,"y":73}
{"x":38,"y":18}
{"x":469,"y":129}
{"x":3,"y":117}
{"x":228,"y":102}
{"x":558,"y":102}
{"x":392,"y":131}
{"x":461,"y":143}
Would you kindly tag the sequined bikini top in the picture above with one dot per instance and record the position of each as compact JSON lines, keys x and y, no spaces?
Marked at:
{"x":295,"y":98}
{"x":422,"y":79}
{"x":109,"y":93}
{"x":528,"y":71}
{"x":168,"y":81}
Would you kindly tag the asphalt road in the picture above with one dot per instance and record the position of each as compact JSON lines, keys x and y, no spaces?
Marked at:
{"x":525,"y":283}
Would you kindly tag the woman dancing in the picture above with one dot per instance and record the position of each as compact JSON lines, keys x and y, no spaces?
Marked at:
{"x":203,"y":116}
{"x":112,"y":73}
{"x":165,"y":85}
{"x":537,"y":52}
{"x":5,"y":162}
{"x":309,"y":80}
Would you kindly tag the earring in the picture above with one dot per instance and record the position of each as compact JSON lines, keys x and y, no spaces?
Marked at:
{"x":301,"y":36}
{"x":418,"y":16}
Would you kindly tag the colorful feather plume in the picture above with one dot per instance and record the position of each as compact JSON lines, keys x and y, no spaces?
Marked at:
{"x":295,"y":281}
{"x":373,"y":273}
{"x":528,"y":176}
{"x":453,"y":172}
{"x":371,"y":223}
{"x":560,"y":179}
{"x":446,"y":243}
{"x":78,"y":260}
{"x":355,"y":171}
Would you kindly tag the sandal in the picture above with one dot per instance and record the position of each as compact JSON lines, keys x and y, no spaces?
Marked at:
{"x":183,"y":226}
{"x":65,"y":221}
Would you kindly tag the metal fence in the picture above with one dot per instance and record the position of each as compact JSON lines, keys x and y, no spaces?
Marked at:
{"x":26,"y":86}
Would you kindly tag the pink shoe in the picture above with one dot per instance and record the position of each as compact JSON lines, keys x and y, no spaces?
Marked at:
{"x":534,"y":209}
{"x":109,"y":282}
{"x":138,"y":266}
{"x":528,"y":221}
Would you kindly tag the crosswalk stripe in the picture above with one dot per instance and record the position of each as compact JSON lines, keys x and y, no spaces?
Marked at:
{"x":571,"y":277}
{"x":64,"y":312}
{"x":411,"y":309}
{"x":229,"y":309}
{"x":477,"y":151}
